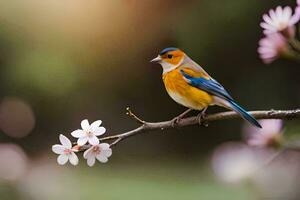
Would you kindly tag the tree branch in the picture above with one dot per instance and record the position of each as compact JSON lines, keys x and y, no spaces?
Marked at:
{"x":152,"y":126}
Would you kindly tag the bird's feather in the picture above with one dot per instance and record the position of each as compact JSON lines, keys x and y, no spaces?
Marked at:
{"x":209,"y":85}
{"x":214,"y":88}
{"x":244,"y":114}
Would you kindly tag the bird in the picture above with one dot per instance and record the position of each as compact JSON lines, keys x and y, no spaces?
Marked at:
{"x":188,"y":84}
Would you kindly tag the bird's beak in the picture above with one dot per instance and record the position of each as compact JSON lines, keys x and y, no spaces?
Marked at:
{"x":156,"y":60}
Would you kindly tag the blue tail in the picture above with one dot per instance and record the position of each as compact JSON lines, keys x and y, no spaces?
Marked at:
{"x":244,"y":114}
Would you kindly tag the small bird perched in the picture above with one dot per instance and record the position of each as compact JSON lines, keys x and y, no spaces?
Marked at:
{"x":189,"y":85}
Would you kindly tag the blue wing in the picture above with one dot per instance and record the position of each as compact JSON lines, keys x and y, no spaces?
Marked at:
{"x":210,"y":86}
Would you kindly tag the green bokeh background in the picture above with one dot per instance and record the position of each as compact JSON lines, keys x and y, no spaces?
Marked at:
{"x":71,"y":60}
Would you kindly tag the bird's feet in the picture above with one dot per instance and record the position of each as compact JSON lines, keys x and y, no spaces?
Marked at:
{"x":201,"y":118}
{"x":175,"y":121}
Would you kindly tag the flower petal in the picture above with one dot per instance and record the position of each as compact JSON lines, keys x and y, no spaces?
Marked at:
{"x":271,"y":47}
{"x":62,"y":159}
{"x":93,"y":140}
{"x":280,"y":19}
{"x":104,"y":146}
{"x":82,"y":141}
{"x":273,"y":126}
{"x":96,"y":124}
{"x":107,"y":153}
{"x":73,"y":158}
{"x":91,"y":160}
{"x":85,"y":125}
{"x":58,"y":149}
{"x":101,"y":158}
{"x":87,"y":153}
{"x":78,"y":133}
{"x":65,"y":141}
{"x":99,"y":131}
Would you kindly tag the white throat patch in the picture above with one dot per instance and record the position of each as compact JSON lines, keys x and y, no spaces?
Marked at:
{"x":167,"y":67}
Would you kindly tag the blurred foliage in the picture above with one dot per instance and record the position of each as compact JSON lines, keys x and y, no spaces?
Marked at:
{"x":173,"y":181}
{"x":71,"y":60}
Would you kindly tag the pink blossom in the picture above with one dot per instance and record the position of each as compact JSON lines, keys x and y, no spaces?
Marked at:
{"x":234,"y":162}
{"x":272,"y":47}
{"x":280,"y":20}
{"x":269,"y":135}
{"x":297,"y":9}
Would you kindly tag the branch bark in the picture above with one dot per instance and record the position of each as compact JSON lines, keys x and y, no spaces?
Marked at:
{"x":152,"y":126}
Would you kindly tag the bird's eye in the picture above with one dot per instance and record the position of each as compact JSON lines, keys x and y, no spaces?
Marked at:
{"x":170,"y":56}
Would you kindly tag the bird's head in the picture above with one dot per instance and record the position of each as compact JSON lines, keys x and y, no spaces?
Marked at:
{"x":169,"y":58}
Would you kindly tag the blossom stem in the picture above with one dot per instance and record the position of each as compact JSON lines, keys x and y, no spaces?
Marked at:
{"x":295,"y":44}
{"x":292,"y":55}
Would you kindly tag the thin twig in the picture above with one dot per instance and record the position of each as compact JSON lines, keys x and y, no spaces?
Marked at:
{"x":131,"y":114}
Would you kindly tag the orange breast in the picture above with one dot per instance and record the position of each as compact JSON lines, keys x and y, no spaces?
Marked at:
{"x":184,"y":94}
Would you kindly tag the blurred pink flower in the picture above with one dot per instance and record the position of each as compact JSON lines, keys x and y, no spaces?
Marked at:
{"x":269,"y":135}
{"x":89,"y":132}
{"x":272,"y":47}
{"x":14,"y":162}
{"x":280,"y":20}
{"x":235,"y":162}
{"x":100,"y":152}
{"x":65,"y":151}
{"x":297,"y":9}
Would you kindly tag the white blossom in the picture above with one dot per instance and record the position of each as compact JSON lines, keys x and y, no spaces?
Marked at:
{"x":65,"y":151}
{"x":89,"y":133}
{"x":101,"y":152}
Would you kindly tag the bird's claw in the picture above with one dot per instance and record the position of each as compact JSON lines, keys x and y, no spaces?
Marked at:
{"x":201,"y":119}
{"x":175,"y":121}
